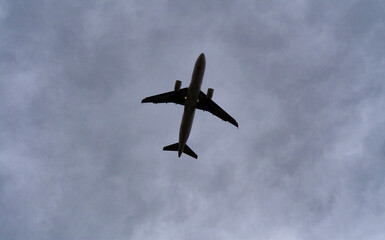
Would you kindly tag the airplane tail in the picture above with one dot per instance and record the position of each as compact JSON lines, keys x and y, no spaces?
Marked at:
{"x":186,"y":150}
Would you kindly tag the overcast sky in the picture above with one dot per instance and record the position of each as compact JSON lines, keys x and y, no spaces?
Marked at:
{"x":81,"y":157}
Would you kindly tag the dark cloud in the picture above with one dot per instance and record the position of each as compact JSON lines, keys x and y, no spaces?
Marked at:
{"x":81,"y":158}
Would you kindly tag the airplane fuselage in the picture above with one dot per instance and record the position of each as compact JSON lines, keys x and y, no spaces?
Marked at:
{"x":191,"y":102}
{"x":191,"y":98}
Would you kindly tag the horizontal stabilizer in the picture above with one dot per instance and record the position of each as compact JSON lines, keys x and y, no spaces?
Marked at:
{"x":186,"y":150}
{"x":189,"y":152}
{"x":172,"y":147}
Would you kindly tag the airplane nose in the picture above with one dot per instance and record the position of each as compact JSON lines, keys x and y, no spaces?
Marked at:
{"x":202,"y":58}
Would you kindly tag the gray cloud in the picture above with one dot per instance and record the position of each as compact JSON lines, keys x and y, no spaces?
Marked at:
{"x":81,"y":158}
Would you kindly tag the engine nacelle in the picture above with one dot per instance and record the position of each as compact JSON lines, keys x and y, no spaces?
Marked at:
{"x":210,"y":93}
{"x":177,"y":85}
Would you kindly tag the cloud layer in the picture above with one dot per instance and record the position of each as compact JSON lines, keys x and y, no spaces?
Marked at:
{"x":81,"y":158}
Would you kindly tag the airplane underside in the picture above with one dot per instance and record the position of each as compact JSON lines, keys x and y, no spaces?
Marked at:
{"x":192,"y":98}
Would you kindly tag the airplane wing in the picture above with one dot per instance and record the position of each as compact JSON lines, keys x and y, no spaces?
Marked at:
{"x":177,"y":97}
{"x":209,"y":105}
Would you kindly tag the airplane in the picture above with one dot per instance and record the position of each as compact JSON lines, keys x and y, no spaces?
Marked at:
{"x":192,"y":98}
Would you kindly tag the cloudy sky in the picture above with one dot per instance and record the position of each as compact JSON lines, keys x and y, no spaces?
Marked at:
{"x":81,"y":157}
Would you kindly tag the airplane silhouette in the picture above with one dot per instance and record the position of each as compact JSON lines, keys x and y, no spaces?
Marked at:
{"x":192,"y":98}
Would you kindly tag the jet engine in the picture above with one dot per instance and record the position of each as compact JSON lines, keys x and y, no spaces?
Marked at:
{"x":210,"y":93}
{"x":178,"y":83}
